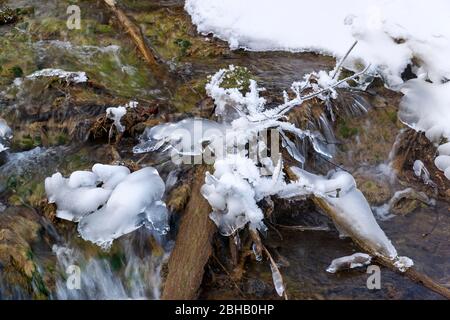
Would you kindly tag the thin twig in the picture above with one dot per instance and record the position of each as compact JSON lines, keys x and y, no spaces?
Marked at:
{"x":228,"y":274}
{"x":339,"y":66}
{"x":304,"y":228}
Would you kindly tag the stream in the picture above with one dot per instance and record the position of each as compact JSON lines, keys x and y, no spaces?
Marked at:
{"x":52,"y":122}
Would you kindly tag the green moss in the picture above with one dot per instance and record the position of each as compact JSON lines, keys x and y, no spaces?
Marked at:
{"x":346,"y":131}
{"x":26,"y":142}
{"x":238,"y":77}
{"x":16,"y":71}
{"x":188,"y":95}
{"x":117,"y":261}
{"x":183,"y":44}
{"x":174,"y":36}
{"x":103,"y":29}
{"x":13,"y":65}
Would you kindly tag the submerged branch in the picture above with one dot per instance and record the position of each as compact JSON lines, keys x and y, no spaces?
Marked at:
{"x":411,"y":273}
{"x":149,"y":54}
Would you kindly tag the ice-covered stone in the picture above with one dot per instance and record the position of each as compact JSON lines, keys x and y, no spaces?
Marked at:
{"x":109,"y":201}
{"x":350,"y":262}
{"x":134,"y":201}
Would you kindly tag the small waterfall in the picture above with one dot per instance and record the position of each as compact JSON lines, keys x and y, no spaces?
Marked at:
{"x":130,"y":276}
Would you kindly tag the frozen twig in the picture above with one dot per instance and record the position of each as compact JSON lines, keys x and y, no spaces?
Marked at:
{"x":337,"y":71}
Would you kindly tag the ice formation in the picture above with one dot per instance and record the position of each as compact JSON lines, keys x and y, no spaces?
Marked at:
{"x":422,"y":172}
{"x":354,"y":261}
{"x":5,"y":134}
{"x":187,"y":137}
{"x":109,"y":201}
{"x":75,"y":77}
{"x":240,"y":181}
{"x":351,"y":212}
{"x":243,"y":118}
{"x":234,"y":190}
{"x":116,"y":114}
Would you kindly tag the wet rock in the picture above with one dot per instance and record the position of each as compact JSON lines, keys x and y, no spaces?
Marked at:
{"x":406,"y":201}
{"x":256,"y":288}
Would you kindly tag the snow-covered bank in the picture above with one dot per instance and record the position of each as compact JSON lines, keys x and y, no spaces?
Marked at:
{"x":391,"y":33}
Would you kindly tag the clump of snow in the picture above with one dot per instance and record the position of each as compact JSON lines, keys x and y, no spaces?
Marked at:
{"x":403,"y":264}
{"x":388,"y":33}
{"x":234,"y":190}
{"x":426,"y":107}
{"x":5,"y":135}
{"x":69,"y":76}
{"x":443,"y":160}
{"x":109,"y":201}
{"x":136,"y":201}
{"x":116,"y":114}
{"x":350,"y":262}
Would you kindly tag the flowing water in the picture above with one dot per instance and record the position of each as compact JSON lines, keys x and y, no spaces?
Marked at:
{"x":50,"y":123}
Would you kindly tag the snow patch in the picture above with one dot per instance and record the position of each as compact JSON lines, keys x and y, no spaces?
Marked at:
{"x":69,"y":76}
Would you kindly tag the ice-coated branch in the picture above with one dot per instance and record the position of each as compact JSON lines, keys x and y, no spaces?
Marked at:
{"x":337,"y":70}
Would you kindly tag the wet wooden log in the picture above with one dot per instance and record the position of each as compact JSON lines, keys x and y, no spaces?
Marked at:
{"x":193,"y":246}
{"x":134,"y":31}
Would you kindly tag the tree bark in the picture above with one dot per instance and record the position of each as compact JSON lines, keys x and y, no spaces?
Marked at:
{"x":193,"y":246}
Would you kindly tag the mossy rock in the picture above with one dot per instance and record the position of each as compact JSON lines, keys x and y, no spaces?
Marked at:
{"x":174,"y":36}
{"x":376,"y":192}
{"x":19,"y":229}
{"x":237,"y":77}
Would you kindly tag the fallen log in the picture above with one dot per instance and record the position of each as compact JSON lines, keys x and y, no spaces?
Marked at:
{"x":149,"y":54}
{"x":193,"y":246}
